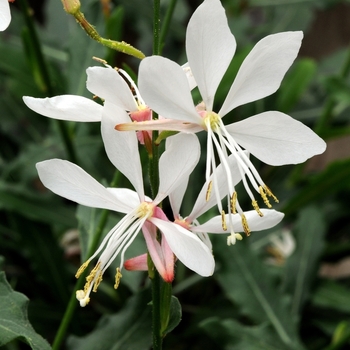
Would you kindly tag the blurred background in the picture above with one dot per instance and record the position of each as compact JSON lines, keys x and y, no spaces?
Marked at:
{"x":285,"y":288}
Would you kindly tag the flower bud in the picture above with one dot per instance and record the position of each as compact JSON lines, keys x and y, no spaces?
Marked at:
{"x":71,"y":6}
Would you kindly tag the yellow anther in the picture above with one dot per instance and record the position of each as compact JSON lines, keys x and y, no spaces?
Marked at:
{"x":207,"y":195}
{"x":264,"y":197}
{"x":245,"y":225}
{"x":256,"y":207}
{"x":118,"y":276}
{"x":233,"y":202}
{"x":100,"y":60}
{"x":223,"y":220}
{"x":238,"y":236}
{"x":97,"y":282}
{"x":82,"y":268}
{"x":270,"y":194}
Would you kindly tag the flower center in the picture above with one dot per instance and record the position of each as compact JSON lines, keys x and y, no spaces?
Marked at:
{"x":212,"y":121}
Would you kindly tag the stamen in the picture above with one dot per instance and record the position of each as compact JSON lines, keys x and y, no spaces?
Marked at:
{"x":207,"y":195}
{"x":256,"y":207}
{"x":245,"y":225}
{"x":97,"y":282}
{"x":270,"y":194}
{"x":223,"y":220}
{"x":118,"y":276}
{"x":82,"y":297}
{"x":264,"y":197}
{"x":238,"y":236}
{"x":82,"y":268}
{"x":233,"y":202}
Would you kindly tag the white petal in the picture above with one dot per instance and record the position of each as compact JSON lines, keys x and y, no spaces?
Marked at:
{"x":177,"y":162}
{"x":163,"y":85}
{"x":177,"y":195}
{"x":210,"y":47}
{"x":106,"y":83}
{"x":277,"y":139}
{"x":5,"y":14}
{"x":190,"y":78}
{"x":129,"y":198}
{"x":122,"y":146}
{"x":66,"y":107}
{"x":188,"y":248}
{"x":202,"y":205}
{"x":263,"y":69}
{"x":256,"y":223}
{"x":72,"y":182}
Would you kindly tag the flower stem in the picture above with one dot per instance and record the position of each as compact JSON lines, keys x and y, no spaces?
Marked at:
{"x":73,"y":303}
{"x":166,"y":22}
{"x":41,"y":74}
{"x":154,"y":180}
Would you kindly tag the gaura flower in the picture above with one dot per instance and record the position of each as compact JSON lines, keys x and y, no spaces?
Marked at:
{"x":273,"y":137}
{"x":70,"y":181}
{"x":5,"y":14}
{"x":216,"y":225}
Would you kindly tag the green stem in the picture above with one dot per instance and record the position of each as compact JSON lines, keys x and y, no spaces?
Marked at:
{"x":154,"y":179}
{"x":166,"y":23}
{"x":73,"y":303}
{"x":42,"y":71}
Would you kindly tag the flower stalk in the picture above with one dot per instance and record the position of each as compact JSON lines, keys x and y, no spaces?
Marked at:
{"x":73,"y":7}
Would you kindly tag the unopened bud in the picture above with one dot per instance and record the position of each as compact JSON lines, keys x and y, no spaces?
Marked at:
{"x":71,"y":6}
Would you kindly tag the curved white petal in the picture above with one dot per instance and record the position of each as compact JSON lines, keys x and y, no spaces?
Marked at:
{"x":177,"y":195}
{"x":210,"y":47}
{"x":276,"y":138}
{"x":106,"y":83}
{"x":188,"y":248}
{"x":190,"y":78}
{"x":122,"y":146}
{"x":72,"y":182}
{"x":177,"y":162}
{"x":256,"y":223}
{"x":5,"y":14}
{"x":164,"y":87}
{"x":263,"y":69}
{"x":129,"y":198}
{"x":202,"y":205}
{"x":66,"y":107}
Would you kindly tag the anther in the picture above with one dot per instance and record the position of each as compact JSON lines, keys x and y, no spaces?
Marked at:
{"x":97,"y":282}
{"x":207,"y":195}
{"x":118,"y":276}
{"x":82,"y":268}
{"x":264,"y":197}
{"x":223,"y":220}
{"x":233,"y":201}
{"x":245,"y":225}
{"x":270,"y":194}
{"x":256,"y":207}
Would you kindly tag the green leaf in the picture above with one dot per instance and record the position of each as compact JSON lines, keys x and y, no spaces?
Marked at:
{"x":301,"y":267}
{"x":129,"y":329}
{"x":14,"y":323}
{"x":295,"y":84}
{"x":332,"y":295}
{"x":175,"y":314}
{"x":236,"y":336}
{"x":248,"y":283}
{"x":335,"y":178}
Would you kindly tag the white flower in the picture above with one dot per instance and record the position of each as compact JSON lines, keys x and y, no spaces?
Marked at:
{"x":5,"y":14}
{"x":273,"y":137}
{"x":70,"y":181}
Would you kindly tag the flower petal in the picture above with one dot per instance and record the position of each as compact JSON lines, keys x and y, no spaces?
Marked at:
{"x":72,"y":182}
{"x":66,"y":107}
{"x":122,"y":146}
{"x":164,"y":86}
{"x":276,"y":139}
{"x":177,"y":195}
{"x":188,"y":248}
{"x":161,"y":124}
{"x":210,"y":47}
{"x":5,"y":14}
{"x":263,"y":69}
{"x":256,"y":223}
{"x":106,"y":83}
{"x":177,"y":162}
{"x":190,"y":78}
